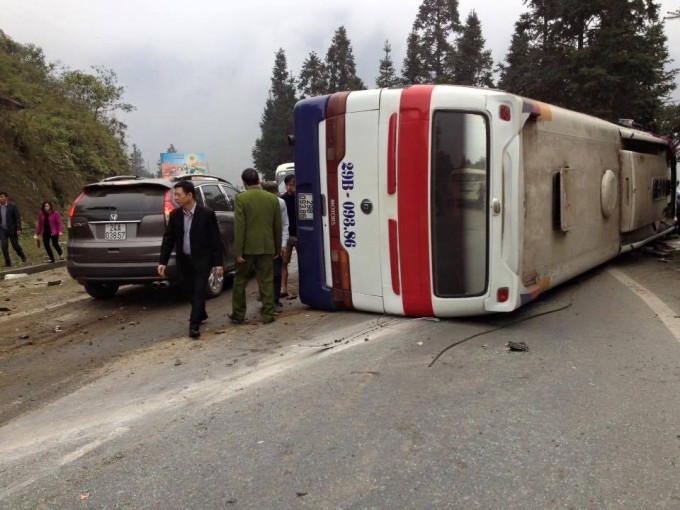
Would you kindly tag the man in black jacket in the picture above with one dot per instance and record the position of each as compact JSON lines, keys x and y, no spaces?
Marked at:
{"x":10,"y":228}
{"x":193,"y":233}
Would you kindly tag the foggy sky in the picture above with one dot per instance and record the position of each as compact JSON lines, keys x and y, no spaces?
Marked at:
{"x":199,"y":72}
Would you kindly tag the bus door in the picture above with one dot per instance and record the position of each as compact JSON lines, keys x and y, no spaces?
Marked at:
{"x":644,"y":175}
{"x":353,"y":201}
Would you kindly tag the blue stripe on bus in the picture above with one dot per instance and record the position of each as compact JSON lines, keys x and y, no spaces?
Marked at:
{"x":311,"y":268}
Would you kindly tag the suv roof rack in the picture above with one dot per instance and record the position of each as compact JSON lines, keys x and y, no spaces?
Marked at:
{"x":120,"y":178}
{"x":190,"y":177}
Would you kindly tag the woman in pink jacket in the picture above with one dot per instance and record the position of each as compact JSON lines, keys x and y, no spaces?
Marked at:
{"x":50,"y":228}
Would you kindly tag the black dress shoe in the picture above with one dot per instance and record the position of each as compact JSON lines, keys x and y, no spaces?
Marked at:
{"x":194,"y":332}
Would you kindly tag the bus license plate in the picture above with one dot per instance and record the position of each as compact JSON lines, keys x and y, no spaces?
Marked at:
{"x":115,"y":232}
{"x":305,"y":203}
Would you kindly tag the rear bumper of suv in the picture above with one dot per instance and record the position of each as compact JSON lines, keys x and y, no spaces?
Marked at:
{"x":121,"y":273}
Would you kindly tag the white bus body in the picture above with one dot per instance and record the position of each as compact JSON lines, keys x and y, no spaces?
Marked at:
{"x":448,"y":201}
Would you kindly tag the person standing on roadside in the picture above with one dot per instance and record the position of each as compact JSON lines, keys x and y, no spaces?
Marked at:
{"x":257,"y":227}
{"x":50,"y":227}
{"x":278,"y":261}
{"x":289,"y":198}
{"x":10,"y":228}
{"x":193,"y":234}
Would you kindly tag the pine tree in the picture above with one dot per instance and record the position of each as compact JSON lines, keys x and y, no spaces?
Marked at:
{"x":313,"y":80}
{"x":436,"y":24}
{"x":386,"y":75}
{"x":340,"y":64}
{"x":607,"y":57}
{"x":412,"y":70}
{"x":271,"y":148}
{"x":137,"y":163}
{"x":517,"y":74}
{"x":621,"y":71}
{"x":472,"y":64}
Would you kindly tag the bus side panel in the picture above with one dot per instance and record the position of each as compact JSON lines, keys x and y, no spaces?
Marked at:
{"x":587,"y":148}
{"x":314,"y":291}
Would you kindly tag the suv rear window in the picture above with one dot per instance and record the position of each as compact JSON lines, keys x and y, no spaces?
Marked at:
{"x":138,"y":199}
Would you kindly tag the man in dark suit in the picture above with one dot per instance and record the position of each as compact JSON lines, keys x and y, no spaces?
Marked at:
{"x":193,"y":234}
{"x":10,"y":228}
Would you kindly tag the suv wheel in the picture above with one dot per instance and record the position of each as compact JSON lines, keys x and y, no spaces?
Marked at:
{"x":215,"y":285}
{"x":101,"y":290}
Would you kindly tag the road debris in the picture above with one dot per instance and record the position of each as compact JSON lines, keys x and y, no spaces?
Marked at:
{"x":517,"y":346}
{"x":15,"y":276}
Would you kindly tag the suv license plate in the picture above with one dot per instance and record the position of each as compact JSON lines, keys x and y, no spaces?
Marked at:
{"x":115,"y":232}
{"x":305,"y":206}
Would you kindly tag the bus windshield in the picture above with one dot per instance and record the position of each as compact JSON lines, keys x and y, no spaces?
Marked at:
{"x":459,"y":204}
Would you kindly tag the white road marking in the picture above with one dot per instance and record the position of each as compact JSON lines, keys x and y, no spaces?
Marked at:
{"x":661,"y":309}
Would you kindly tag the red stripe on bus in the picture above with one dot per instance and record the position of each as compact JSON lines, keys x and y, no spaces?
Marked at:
{"x":413,"y":200}
{"x":392,"y":156}
{"x":394,"y":256}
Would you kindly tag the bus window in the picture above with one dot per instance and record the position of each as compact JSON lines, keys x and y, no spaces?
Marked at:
{"x":459,"y":204}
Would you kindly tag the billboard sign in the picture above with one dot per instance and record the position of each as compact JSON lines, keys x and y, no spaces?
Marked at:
{"x":181,"y":163}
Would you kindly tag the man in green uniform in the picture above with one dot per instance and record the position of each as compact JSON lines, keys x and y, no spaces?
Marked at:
{"x":257,"y":241}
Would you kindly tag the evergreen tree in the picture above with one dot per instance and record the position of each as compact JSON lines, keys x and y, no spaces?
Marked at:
{"x":606,"y":57}
{"x":137,"y":163}
{"x":412,"y":70}
{"x":271,"y":148}
{"x":517,"y":74}
{"x":668,"y":124}
{"x":472,"y":64}
{"x":386,"y":76}
{"x":313,"y":80}
{"x":340,"y":66}
{"x":436,"y":24}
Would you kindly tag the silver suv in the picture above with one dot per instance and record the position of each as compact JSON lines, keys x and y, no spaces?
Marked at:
{"x":116,"y":226}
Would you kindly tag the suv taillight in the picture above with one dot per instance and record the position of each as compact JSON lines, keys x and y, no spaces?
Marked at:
{"x":72,"y":209}
{"x":168,"y":205}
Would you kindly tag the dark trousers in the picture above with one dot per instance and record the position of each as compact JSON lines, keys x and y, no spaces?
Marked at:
{"x":5,"y":239}
{"x":194,"y":280}
{"x":278,"y":266}
{"x":264,"y":272}
{"x":47,"y":239}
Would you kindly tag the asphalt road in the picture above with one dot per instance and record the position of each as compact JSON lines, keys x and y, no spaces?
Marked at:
{"x":358,"y":411}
